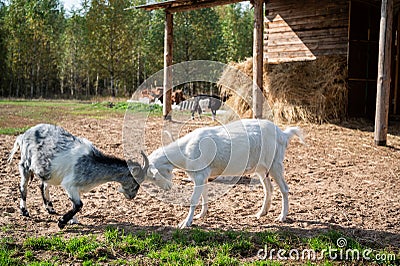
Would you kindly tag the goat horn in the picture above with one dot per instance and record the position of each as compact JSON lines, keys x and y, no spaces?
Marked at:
{"x":145,"y":163}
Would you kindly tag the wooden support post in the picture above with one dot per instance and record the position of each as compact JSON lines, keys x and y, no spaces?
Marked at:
{"x":258,"y":59}
{"x":396,"y":79}
{"x":384,"y":65}
{"x":168,"y":43}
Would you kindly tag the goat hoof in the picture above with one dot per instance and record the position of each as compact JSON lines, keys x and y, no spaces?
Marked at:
{"x":281,"y":219}
{"x":24,"y":212}
{"x":61,"y":224}
{"x":184,"y":224}
{"x":259,"y":215}
{"x":73,"y":221}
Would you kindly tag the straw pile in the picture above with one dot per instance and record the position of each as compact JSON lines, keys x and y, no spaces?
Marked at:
{"x":236,"y":81}
{"x":311,"y":91}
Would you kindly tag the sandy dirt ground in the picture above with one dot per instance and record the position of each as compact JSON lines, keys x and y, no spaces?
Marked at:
{"x":339,"y":180}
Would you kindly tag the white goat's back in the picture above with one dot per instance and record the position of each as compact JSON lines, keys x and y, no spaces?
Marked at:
{"x":237,"y":148}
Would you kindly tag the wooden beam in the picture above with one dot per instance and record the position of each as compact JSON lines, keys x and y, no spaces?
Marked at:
{"x":203,"y":4}
{"x":258,"y":58}
{"x":384,"y":65}
{"x":168,"y":44}
{"x":149,"y":7}
{"x":181,"y":5}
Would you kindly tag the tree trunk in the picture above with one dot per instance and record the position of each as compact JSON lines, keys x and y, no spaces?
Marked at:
{"x":112,"y":86}
{"x":97,"y":84}
{"x":88,"y":84}
{"x":31,"y":82}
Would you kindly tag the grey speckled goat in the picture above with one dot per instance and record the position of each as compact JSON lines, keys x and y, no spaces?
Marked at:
{"x":61,"y":159}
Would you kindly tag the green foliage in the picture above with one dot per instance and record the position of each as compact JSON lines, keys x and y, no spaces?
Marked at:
{"x":133,"y":107}
{"x":81,"y":247}
{"x":198,"y":40}
{"x":105,"y":48}
{"x":237,"y":20}
{"x":29,"y":255}
{"x":135,"y":244}
{"x":3,"y":51}
{"x":33,"y":32}
{"x":140,"y":243}
{"x":329,"y":240}
{"x":44,"y":243}
{"x":52,"y":111}
{"x":173,"y":254}
{"x":180,"y":247}
{"x":13,"y":130}
{"x":7,"y":255}
{"x":112,"y":41}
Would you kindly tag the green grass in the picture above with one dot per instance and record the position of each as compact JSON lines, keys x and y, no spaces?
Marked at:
{"x":181,"y":247}
{"x":13,"y":130}
{"x":17,"y":116}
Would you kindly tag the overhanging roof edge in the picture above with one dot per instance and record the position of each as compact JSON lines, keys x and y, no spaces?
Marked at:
{"x":185,"y":5}
{"x":154,"y":6}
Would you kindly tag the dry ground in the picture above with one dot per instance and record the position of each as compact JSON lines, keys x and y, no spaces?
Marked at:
{"x":340,"y":181}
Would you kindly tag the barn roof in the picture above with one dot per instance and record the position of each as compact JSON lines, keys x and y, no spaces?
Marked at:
{"x":173,"y":6}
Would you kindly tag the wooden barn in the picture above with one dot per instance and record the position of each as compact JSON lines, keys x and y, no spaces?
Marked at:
{"x":362,"y":31}
{"x":307,"y":29}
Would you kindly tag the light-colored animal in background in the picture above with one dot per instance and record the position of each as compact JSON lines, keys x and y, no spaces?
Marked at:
{"x":203,"y":102}
{"x":61,"y":159}
{"x":238,"y":148}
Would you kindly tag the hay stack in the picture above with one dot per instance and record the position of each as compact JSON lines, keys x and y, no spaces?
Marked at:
{"x":236,"y":81}
{"x":311,"y":91}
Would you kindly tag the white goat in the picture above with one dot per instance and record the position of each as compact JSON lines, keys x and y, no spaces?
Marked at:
{"x":241,"y":147}
{"x":59,"y":158}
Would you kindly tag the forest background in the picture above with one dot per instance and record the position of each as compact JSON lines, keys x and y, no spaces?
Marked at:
{"x":104,"y":48}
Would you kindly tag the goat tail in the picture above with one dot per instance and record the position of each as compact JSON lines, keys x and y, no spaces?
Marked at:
{"x":17,"y":144}
{"x":291,"y":131}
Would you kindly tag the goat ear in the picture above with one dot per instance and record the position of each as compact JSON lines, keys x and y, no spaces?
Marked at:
{"x":136,"y":171}
{"x":133,"y":168}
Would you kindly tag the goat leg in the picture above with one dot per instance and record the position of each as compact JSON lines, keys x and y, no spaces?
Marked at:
{"x":23,"y":188}
{"x":199,"y":184}
{"x":277,"y":170}
{"x":44,"y":188}
{"x":204,"y":203}
{"x":77,"y":206}
{"x":268,"y":190}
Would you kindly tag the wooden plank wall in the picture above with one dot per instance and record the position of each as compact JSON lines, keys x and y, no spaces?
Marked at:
{"x":363,"y":58}
{"x":298,"y":30}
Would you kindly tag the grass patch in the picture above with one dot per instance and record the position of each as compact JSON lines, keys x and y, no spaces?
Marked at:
{"x":134,"y":107}
{"x":7,"y":253}
{"x":187,"y":247}
{"x":13,"y":130}
{"x":17,"y":116}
